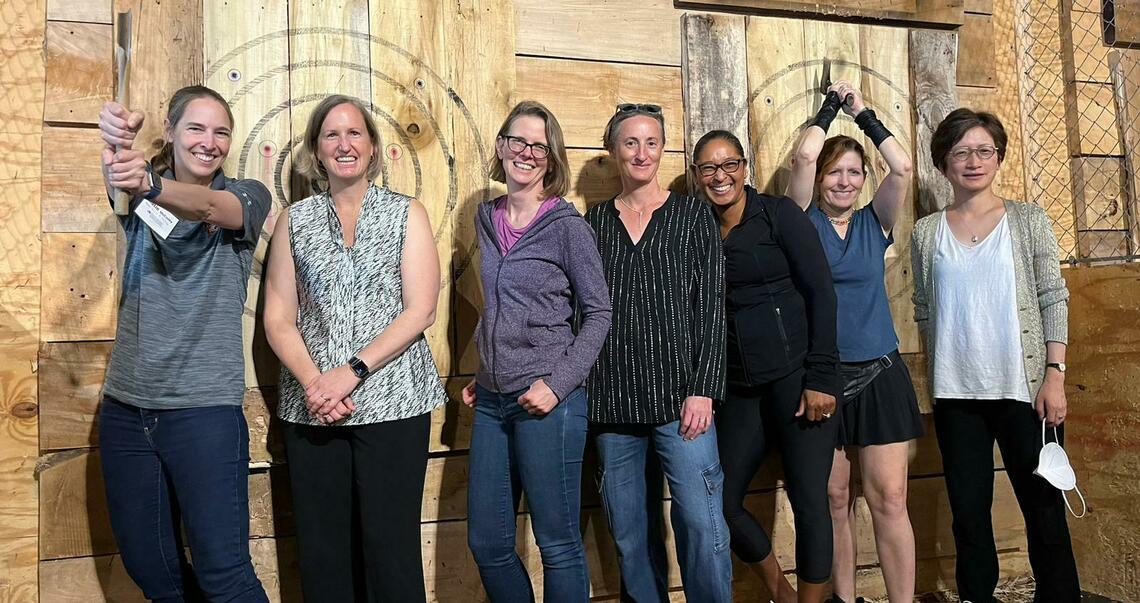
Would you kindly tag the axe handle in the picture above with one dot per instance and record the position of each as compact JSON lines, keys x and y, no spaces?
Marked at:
{"x":123,"y":63}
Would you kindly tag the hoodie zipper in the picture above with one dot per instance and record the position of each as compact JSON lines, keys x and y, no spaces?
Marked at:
{"x":498,"y":272}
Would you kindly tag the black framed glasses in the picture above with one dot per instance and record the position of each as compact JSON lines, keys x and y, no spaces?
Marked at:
{"x":728,"y":167}
{"x":518,"y":145}
{"x":639,"y":107}
{"x":962,"y":154}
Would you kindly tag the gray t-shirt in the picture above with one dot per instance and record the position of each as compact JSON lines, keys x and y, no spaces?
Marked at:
{"x":179,"y":338}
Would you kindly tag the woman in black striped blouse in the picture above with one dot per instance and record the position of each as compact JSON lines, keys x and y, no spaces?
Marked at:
{"x":661,"y":366}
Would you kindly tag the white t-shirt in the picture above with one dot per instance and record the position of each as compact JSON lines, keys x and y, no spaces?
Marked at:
{"x":978,"y":355}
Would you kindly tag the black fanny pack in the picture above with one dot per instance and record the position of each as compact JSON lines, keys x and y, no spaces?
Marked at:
{"x":857,"y":376}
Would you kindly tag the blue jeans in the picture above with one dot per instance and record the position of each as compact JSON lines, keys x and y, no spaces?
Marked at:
{"x":512,"y":452}
{"x":696,"y":480}
{"x":189,"y":466}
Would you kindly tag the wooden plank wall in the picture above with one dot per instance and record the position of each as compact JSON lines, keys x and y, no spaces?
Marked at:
{"x":1102,"y":436}
{"x":22,"y":78}
{"x":432,"y":148}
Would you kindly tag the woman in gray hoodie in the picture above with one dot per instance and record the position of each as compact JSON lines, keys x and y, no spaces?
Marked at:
{"x":546,"y":313}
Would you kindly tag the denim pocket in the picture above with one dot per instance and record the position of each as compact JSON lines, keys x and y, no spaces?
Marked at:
{"x":714,"y":486}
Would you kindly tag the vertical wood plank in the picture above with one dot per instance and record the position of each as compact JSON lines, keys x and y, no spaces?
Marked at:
{"x":485,"y":93}
{"x":932,"y":56}
{"x":1125,"y":68}
{"x":22,"y":80}
{"x":246,"y":61}
{"x":713,"y":48}
{"x":167,"y":55}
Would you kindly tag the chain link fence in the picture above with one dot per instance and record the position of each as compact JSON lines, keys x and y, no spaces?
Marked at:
{"x":1079,"y":71}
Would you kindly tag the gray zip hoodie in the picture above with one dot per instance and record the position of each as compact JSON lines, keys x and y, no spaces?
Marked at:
{"x":530,"y":296}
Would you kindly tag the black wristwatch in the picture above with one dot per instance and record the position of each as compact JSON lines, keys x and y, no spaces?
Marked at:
{"x":358,"y":367}
{"x":155,"y":183}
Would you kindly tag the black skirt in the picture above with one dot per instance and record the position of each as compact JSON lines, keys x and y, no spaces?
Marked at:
{"x":885,"y":411}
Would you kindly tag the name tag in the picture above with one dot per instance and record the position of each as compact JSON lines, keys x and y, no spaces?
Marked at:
{"x":158,"y":219}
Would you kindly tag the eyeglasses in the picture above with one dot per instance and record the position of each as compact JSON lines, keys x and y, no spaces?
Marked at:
{"x":518,"y":145}
{"x":728,"y":167}
{"x":962,"y":154}
{"x":639,"y":107}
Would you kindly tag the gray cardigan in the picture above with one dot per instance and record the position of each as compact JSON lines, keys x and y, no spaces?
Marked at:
{"x":1042,"y":298}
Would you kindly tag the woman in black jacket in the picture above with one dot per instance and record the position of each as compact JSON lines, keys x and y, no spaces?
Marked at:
{"x":783,"y":365}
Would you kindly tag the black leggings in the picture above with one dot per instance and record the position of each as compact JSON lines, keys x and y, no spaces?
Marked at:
{"x":357,"y":493}
{"x":748,"y":422}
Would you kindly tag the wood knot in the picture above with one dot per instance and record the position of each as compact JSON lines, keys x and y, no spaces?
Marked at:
{"x":25,"y":410}
{"x":413,"y":129}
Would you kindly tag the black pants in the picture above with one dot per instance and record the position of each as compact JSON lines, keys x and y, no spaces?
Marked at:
{"x":748,"y":422}
{"x":357,"y":493}
{"x":966,"y":432}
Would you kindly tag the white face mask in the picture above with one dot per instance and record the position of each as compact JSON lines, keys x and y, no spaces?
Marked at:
{"x":1053,"y":465}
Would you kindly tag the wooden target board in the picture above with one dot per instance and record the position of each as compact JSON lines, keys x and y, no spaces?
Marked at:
{"x":785,"y":64}
{"x":435,"y":92}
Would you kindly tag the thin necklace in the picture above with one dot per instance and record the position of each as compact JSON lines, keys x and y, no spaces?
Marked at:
{"x":640,"y":213}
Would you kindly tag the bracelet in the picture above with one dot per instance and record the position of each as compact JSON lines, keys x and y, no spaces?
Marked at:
{"x":869,"y":123}
{"x":827,"y":111}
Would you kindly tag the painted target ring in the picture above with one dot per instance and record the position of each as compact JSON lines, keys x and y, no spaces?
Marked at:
{"x":895,"y":114}
{"x":410,"y":147}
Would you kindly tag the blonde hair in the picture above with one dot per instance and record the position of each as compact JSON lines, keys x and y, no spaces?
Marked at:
{"x":556,"y":181}
{"x":307,"y":164}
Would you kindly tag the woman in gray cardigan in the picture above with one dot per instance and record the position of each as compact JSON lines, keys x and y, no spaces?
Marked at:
{"x":993,"y":308}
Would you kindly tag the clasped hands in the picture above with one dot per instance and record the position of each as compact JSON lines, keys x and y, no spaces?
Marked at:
{"x":327,"y":395}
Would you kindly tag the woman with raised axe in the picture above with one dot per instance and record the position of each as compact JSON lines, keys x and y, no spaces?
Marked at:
{"x":783,"y":368}
{"x":173,"y":441}
{"x":352,"y":284}
{"x":880,"y":414}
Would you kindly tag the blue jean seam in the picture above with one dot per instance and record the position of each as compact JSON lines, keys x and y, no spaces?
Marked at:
{"x":175,"y":582}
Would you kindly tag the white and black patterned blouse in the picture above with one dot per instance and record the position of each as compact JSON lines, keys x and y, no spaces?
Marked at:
{"x":348,"y":296}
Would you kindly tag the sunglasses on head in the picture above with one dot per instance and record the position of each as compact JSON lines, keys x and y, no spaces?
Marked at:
{"x":639,"y":107}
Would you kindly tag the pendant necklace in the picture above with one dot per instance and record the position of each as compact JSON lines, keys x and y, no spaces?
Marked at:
{"x":640,"y":214}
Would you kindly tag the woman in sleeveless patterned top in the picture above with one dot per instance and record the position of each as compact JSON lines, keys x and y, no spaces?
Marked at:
{"x":346,"y":306}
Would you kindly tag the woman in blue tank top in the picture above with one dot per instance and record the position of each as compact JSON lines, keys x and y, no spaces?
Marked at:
{"x":880,"y":412}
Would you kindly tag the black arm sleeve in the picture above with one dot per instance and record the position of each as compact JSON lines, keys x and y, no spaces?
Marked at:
{"x":799,"y":240}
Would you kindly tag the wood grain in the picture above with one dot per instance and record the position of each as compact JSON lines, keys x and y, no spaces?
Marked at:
{"x":71,"y":384}
{"x":643,"y":32}
{"x":715,"y":87}
{"x":79,"y":71}
{"x":1102,"y":436}
{"x":933,"y":56}
{"x":23,"y":82}
{"x":78,"y":287}
{"x":85,"y":11}
{"x":583,"y":95}
{"x":914,"y":13}
{"x":483,"y":77}
{"x":243,"y":60}
{"x":74,"y":198}
{"x":168,"y":48}
{"x":1125,"y":68}
{"x":976,"y":41}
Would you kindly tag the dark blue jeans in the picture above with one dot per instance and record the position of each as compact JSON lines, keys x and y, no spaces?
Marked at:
{"x":163,"y":468}
{"x":511,"y":452}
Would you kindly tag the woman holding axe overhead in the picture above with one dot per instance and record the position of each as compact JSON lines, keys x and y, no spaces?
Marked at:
{"x":173,"y":439}
{"x":880,"y":412}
